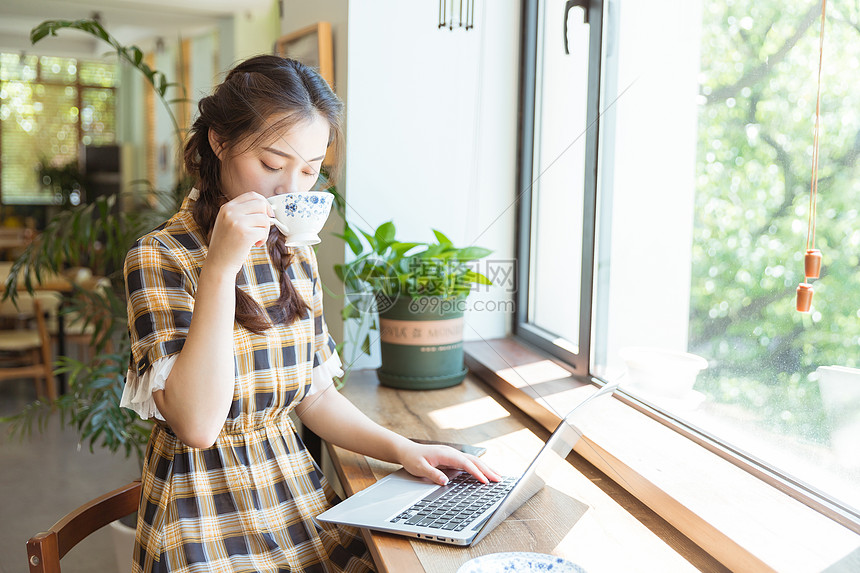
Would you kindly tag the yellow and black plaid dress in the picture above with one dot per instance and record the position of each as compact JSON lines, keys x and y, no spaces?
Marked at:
{"x":247,"y":503}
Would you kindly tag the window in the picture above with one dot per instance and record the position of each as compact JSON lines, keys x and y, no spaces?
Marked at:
{"x":48,"y":106}
{"x":700,"y":202}
{"x":553,"y":176}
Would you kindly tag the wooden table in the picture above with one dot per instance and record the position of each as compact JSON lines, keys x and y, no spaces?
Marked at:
{"x":580,"y":515}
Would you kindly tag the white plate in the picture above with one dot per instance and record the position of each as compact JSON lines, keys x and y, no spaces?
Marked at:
{"x":519,"y":562}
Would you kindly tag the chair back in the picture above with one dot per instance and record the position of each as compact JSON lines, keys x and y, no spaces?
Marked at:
{"x":45,"y":549}
{"x":25,"y":304}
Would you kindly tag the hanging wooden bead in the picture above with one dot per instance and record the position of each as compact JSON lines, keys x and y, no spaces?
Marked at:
{"x":812,"y":264}
{"x":804,"y":297}
{"x":812,"y":258}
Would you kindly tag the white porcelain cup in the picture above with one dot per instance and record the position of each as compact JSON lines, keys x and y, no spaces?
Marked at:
{"x":301,"y":216}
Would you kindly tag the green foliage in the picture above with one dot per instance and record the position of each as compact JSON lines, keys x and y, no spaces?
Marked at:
{"x":758,"y":93}
{"x":62,"y":180}
{"x":391,"y":267}
{"x":781,"y":408}
{"x":98,"y":236}
{"x":388,"y":267}
{"x":91,"y":407}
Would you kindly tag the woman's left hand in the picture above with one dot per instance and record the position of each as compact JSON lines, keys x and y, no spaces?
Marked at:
{"x":423,"y":460}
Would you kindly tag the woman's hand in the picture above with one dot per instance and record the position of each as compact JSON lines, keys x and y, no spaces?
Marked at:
{"x":242,"y":223}
{"x":423,"y":460}
{"x":336,"y":420}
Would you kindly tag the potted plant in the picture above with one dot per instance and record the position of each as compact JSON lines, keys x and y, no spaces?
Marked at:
{"x":414,"y":295}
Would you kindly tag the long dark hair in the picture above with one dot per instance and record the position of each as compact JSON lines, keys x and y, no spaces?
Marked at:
{"x":259,"y":88}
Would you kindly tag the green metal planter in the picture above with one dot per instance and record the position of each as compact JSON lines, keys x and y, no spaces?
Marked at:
{"x":422,"y":343}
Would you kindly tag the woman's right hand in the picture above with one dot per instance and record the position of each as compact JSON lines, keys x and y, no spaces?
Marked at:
{"x":242,"y":223}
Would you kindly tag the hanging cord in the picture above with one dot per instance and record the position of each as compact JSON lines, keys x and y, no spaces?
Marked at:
{"x":812,"y":257}
{"x":813,"y":190}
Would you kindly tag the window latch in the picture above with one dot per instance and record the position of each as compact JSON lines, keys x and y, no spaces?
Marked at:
{"x":567,"y":6}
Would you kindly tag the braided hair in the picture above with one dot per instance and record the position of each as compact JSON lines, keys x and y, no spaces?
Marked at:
{"x":256,"y":90}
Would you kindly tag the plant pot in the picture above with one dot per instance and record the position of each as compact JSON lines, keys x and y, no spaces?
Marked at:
{"x":422,"y":343}
{"x":840,"y":393}
{"x":123,"y":541}
{"x":661,"y":372}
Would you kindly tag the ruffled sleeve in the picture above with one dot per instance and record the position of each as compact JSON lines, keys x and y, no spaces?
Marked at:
{"x":323,"y":375}
{"x":160,"y":304}
{"x":137,"y":393}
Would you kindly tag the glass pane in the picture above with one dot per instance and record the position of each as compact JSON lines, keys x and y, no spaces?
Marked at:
{"x":62,"y":70}
{"x":98,"y":74}
{"x":16,"y":67}
{"x":39,"y":128}
{"x":558,"y":174}
{"x":98,"y":116}
{"x":705,"y":183}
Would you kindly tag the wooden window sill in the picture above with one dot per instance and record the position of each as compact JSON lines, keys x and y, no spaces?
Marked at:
{"x":737,"y":518}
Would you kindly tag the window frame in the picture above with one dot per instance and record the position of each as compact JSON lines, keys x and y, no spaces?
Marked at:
{"x":79,"y":89}
{"x":580,"y":362}
{"x":522,"y":328}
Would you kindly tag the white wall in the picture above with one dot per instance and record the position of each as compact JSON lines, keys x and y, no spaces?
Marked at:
{"x":432,"y":119}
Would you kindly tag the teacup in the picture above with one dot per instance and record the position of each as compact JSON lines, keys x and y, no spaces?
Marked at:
{"x":300,"y":216}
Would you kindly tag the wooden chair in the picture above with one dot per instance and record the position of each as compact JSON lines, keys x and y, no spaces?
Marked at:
{"x":27,"y":343}
{"x":44,"y":550}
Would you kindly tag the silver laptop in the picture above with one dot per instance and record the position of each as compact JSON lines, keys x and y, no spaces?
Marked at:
{"x":465,"y":510}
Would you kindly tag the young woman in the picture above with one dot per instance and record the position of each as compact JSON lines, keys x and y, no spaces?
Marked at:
{"x":228,"y":338}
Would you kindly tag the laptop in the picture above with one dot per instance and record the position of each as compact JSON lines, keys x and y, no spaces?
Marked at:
{"x":465,"y":510}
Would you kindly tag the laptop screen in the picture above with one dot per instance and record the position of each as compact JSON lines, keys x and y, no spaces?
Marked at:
{"x":553,"y":453}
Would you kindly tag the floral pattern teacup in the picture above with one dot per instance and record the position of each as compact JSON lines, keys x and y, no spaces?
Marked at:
{"x":301,"y":216}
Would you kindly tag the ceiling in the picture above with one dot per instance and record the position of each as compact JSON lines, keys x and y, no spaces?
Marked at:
{"x":130,"y":21}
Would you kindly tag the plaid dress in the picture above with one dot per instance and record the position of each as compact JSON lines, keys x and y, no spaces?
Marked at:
{"x":248,"y":502}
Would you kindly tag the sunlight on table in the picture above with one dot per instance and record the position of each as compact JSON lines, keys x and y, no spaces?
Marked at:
{"x":533,"y":373}
{"x":468,"y":414}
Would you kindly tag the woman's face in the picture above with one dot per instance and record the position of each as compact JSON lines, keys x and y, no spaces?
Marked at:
{"x":284,"y":162}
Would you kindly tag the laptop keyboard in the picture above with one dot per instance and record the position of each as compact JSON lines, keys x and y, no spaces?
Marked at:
{"x":455,"y":506}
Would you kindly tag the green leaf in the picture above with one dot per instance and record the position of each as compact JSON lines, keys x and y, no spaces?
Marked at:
{"x":432,"y":251}
{"x":401,"y":248}
{"x":370,"y":239}
{"x":41,"y":31}
{"x":385,"y":235}
{"x":352,"y":240}
{"x":349,"y":311}
{"x":339,"y":271}
{"x":441,"y":238}
{"x":473,"y":277}
{"x":472,"y":253}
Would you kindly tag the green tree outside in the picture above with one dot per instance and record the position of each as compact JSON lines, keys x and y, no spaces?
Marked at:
{"x":754,"y":161}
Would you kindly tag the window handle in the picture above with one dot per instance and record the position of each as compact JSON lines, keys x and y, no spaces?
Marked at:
{"x":567,"y":6}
